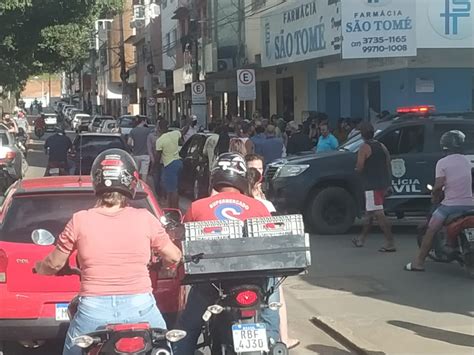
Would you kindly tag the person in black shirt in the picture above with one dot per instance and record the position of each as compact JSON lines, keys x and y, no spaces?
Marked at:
{"x":297,"y":141}
{"x":374,"y":165}
{"x":57,"y":147}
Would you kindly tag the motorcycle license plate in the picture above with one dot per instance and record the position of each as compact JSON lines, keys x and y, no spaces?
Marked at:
{"x":54,"y":171}
{"x":249,"y":337}
{"x":61,"y":312}
{"x":470,"y":234}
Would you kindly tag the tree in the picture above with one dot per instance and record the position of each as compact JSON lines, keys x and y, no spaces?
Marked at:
{"x":45,"y":35}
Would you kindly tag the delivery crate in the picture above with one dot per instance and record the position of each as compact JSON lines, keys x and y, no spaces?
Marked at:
{"x":274,"y":226}
{"x":210,"y":259}
{"x":213,"y":230}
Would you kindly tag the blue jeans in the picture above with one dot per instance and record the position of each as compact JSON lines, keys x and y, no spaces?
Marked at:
{"x":191,"y":319}
{"x":170,"y":176}
{"x":96,"y":312}
{"x":442,"y":213}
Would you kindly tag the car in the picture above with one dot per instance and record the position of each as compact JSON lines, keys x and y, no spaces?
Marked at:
{"x":195,"y":176}
{"x":87,"y":146}
{"x":50,"y":121}
{"x":81,"y":122}
{"x":64,"y":110}
{"x":127,"y":123}
{"x":327,"y":190}
{"x":108,"y":126}
{"x":12,"y":162}
{"x":33,"y":307}
{"x":95,"y":124}
{"x":71,"y":113}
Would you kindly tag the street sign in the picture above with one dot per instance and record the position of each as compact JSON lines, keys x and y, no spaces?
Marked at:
{"x":151,"y":101}
{"x":198,"y":91}
{"x":246,"y":84}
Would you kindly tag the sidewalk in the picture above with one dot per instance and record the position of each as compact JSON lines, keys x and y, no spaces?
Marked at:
{"x":365,"y":296}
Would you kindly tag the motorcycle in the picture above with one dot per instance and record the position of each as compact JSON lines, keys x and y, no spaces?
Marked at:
{"x":136,"y":338}
{"x":455,"y":242}
{"x":40,"y":128}
{"x":238,"y":268}
{"x":22,"y":141}
{"x":234,"y":325}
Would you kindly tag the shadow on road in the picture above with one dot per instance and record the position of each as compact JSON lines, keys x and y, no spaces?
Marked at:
{"x":325,"y":350}
{"x":446,"y":336}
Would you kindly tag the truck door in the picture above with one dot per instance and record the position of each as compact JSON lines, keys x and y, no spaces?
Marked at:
{"x":409,"y":161}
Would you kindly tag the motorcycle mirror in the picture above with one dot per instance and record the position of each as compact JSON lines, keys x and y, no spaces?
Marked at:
{"x":42,"y":237}
{"x":429,"y":187}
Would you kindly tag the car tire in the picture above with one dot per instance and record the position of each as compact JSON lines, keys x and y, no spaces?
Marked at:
{"x":332,"y":210}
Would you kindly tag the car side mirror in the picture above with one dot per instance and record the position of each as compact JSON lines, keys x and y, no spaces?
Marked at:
{"x":42,"y":237}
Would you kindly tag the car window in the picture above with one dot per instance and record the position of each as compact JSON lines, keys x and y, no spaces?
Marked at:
{"x":127,"y":122}
{"x":194,"y":145}
{"x":467,"y":129}
{"x":404,"y":140}
{"x":98,"y":143}
{"x":50,"y":212}
{"x":4,"y":139}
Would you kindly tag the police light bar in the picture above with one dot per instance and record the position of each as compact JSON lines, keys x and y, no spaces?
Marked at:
{"x":416,"y":109}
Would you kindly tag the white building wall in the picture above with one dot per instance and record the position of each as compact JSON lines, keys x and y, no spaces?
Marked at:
{"x":169,"y":34}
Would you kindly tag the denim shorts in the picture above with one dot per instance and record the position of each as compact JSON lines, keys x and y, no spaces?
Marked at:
{"x":440,"y":215}
{"x":170,"y":176}
{"x":94,"y":313}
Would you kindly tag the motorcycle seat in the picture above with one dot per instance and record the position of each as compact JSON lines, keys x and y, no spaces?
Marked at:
{"x":457,"y":216}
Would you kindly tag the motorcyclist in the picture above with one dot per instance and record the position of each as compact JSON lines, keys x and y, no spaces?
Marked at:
{"x":230,"y":183}
{"x":113,"y":253}
{"x":57,"y":146}
{"x":454,"y":179}
{"x":9,"y":124}
{"x":40,"y":122}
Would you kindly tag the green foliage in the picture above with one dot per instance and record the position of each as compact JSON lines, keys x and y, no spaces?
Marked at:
{"x":46,"y":36}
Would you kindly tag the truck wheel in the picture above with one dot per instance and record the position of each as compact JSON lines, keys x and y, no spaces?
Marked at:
{"x":332,"y":211}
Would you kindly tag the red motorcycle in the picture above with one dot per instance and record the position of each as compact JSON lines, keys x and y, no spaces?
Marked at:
{"x":40,"y":127}
{"x":455,"y":242}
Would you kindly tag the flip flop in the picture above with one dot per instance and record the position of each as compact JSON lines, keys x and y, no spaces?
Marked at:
{"x":387,"y":250}
{"x":357,"y":243}
{"x":409,"y":267}
{"x":293,"y":345}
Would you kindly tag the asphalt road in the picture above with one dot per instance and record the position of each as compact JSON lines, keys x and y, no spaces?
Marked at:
{"x":313,"y":340}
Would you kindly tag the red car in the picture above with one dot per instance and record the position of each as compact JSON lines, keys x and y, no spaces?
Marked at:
{"x":33,"y":307}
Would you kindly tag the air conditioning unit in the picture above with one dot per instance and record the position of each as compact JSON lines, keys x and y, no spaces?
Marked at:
{"x":155,"y":10}
{"x":225,"y":64}
{"x":138,"y":12}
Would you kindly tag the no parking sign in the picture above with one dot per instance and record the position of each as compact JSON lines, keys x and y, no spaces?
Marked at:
{"x":199,"y":93}
{"x":246,"y":84}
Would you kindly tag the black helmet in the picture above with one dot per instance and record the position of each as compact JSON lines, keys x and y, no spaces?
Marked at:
{"x":59,"y":129}
{"x":114,"y":170}
{"x":452,"y":141}
{"x":230,"y":170}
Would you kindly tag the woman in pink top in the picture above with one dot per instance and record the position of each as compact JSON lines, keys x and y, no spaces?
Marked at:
{"x":114,"y":244}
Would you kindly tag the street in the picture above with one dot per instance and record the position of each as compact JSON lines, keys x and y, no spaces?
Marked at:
{"x":364,"y":296}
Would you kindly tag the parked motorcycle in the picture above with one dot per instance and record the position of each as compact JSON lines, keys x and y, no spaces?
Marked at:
{"x":129,"y":338}
{"x":455,"y":242}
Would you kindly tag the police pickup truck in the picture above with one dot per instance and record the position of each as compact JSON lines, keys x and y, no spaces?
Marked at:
{"x":326,"y":188}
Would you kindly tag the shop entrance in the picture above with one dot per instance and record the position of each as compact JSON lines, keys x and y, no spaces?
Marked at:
{"x":285,"y":98}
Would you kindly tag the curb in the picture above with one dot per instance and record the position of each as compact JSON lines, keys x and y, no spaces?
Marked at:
{"x":344,"y":336}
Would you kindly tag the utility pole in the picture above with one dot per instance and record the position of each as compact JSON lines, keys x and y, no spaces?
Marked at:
{"x":123,"y":67}
{"x":93,"y":48}
{"x":150,"y":70}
